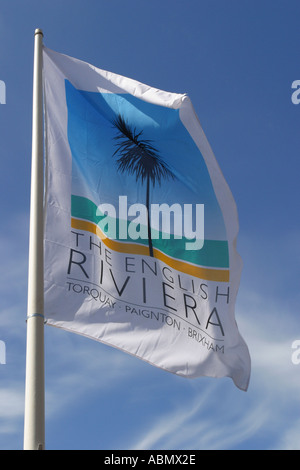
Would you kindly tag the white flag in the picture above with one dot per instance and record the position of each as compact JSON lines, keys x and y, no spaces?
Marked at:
{"x":140,"y":225}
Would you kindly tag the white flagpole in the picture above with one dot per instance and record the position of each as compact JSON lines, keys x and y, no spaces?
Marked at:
{"x":34,"y":419}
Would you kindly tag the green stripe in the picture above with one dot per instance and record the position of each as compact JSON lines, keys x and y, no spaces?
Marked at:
{"x":214,"y":253}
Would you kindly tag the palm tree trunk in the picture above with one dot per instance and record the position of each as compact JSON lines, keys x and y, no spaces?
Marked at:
{"x":149,"y":221}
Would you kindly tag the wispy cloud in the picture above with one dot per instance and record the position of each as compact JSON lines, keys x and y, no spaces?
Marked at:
{"x":221,"y":418}
{"x":11,"y":409}
{"x":290,"y":438}
{"x":210,"y":422}
{"x":164,"y":432}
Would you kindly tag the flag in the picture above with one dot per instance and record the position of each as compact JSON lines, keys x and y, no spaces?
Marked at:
{"x":140,"y":225}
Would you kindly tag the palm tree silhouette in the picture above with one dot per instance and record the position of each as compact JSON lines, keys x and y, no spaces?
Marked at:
{"x":139,"y":157}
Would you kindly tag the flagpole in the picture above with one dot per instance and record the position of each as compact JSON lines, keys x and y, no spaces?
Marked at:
{"x":34,"y":419}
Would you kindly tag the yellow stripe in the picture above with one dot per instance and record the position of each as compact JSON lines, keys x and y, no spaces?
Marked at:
{"x":203,"y":273}
{"x":208,"y":274}
{"x":130,"y":248}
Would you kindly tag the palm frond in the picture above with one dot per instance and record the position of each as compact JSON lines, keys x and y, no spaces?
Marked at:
{"x":138,"y":156}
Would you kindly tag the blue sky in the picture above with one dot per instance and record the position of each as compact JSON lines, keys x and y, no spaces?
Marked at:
{"x":237,"y":61}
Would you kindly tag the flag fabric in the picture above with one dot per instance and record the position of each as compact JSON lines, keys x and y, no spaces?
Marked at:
{"x":140,"y":225}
